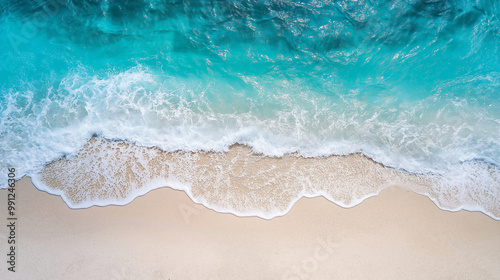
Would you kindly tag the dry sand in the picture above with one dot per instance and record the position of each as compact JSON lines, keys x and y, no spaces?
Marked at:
{"x":164,"y":235}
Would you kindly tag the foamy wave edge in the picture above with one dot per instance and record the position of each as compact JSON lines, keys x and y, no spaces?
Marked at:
{"x":435,"y":187}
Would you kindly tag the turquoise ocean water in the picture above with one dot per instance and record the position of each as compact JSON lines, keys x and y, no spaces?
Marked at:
{"x":414,"y":85}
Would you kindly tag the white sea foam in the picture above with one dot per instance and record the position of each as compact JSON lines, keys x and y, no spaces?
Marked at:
{"x":473,"y":185}
{"x":243,"y":183}
{"x":432,"y":136}
{"x":176,"y":114}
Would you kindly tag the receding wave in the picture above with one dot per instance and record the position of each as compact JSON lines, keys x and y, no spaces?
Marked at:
{"x":242,"y":182}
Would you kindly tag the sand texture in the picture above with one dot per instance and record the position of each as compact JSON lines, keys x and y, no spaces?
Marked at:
{"x":164,"y":235}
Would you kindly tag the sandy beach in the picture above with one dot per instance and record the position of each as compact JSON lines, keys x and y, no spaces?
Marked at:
{"x":234,"y":140}
{"x":164,"y":235}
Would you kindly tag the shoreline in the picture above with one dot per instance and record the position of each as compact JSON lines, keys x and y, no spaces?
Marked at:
{"x":237,"y":181}
{"x":131,"y":199}
{"x":164,"y":235}
{"x":244,"y":183}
